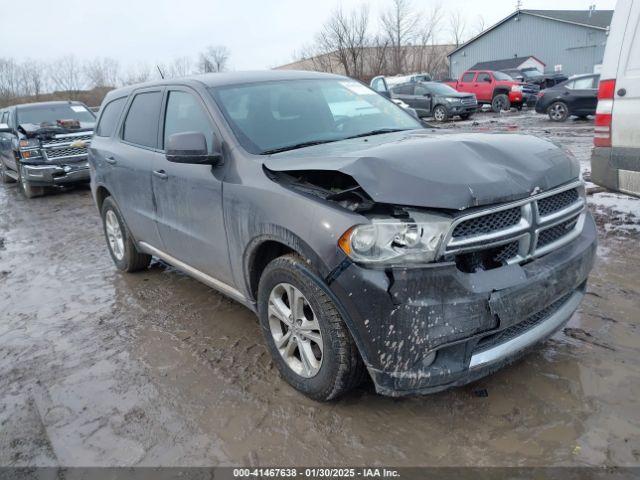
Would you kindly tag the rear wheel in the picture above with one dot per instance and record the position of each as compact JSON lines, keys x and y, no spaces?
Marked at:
{"x":558,"y":111}
{"x":308,"y":340}
{"x":121,"y":247}
{"x":27,"y":189}
{"x":500,"y":103}
{"x":440,"y":114}
{"x":4,"y":177}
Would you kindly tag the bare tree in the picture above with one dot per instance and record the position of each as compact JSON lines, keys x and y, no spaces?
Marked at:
{"x":423,"y":58}
{"x":102,"y":72}
{"x":136,"y":74}
{"x":401,"y":25}
{"x":479,"y":26}
{"x":344,"y":37}
{"x":457,"y":27}
{"x":214,"y":59}
{"x":66,"y":75}
{"x":179,"y":67}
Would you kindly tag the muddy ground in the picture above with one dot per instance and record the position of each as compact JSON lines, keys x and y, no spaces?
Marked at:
{"x":103,"y":368}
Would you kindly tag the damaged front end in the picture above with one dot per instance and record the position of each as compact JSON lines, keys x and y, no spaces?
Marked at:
{"x":438,"y":298}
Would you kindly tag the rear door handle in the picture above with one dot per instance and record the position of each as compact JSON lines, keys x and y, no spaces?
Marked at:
{"x":111,"y":160}
{"x":161,"y":174}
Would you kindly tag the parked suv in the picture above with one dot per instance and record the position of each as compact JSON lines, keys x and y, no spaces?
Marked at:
{"x":44,"y":145}
{"x":495,"y":88}
{"x":363,"y":242}
{"x":437,"y":100}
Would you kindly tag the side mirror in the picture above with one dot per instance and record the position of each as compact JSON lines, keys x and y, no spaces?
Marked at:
{"x":190,"y":147}
{"x":5,"y":128}
{"x":428,"y":95}
{"x":385,"y":94}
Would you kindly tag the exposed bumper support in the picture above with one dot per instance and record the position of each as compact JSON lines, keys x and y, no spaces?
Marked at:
{"x":530,"y":337}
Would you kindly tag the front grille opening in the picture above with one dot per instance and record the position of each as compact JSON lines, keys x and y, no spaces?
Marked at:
{"x":557,"y":202}
{"x":552,"y":234}
{"x":65,"y":152}
{"x":513,"y":331}
{"x":487,"y":259}
{"x":488,"y":223}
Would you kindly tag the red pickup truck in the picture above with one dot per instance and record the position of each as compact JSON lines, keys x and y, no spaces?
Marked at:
{"x":496,"y":88}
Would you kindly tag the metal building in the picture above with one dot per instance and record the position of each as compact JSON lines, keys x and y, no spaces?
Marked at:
{"x":571,"y":41}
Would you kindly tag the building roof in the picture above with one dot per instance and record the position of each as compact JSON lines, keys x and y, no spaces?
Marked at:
{"x":504,"y":64}
{"x":597,"y":19}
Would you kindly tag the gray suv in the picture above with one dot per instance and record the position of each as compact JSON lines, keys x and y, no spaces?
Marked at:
{"x":364,"y":243}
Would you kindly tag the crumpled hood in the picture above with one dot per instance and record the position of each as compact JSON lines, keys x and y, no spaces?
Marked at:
{"x":34,"y":130}
{"x":448,"y":171}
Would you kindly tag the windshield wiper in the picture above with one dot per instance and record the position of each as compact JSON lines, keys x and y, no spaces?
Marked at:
{"x":379,"y":131}
{"x":298,"y":145}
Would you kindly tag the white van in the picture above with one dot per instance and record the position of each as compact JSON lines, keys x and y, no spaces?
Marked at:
{"x":615,"y":161}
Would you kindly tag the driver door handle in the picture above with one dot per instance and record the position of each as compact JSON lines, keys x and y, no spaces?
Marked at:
{"x":161,"y":174}
{"x":111,"y":160}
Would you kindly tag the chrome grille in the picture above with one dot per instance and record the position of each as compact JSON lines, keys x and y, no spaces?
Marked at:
{"x":488,"y":223}
{"x":525,"y":229}
{"x":59,"y":147}
{"x":468,"y":101}
{"x":549,"y":205}
{"x":66,"y":152}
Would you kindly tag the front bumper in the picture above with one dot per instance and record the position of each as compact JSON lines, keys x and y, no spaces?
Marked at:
{"x":57,"y":175}
{"x":462,"y":109}
{"x":472,"y":323}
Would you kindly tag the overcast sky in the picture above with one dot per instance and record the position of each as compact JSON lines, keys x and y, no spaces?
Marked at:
{"x":260,"y":34}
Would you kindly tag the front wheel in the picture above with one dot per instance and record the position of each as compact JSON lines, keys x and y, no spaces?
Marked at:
{"x":440,"y":114}
{"x":500,"y":103}
{"x":121,"y":246}
{"x":558,"y":111}
{"x":27,"y":189}
{"x":308,"y":340}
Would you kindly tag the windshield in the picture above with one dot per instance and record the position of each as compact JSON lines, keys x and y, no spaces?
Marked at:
{"x":531,"y":73}
{"x":501,"y":76}
{"x":280,"y":115}
{"x":50,"y":114}
{"x":441,"y":89}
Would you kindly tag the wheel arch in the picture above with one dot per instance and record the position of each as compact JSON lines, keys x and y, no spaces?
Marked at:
{"x":101,"y":194}
{"x":269,"y":245}
{"x":499,"y":91}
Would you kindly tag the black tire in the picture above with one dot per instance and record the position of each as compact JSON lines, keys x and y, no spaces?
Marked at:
{"x":558,"y":111}
{"x":4,"y":178}
{"x":131,"y":259}
{"x":440,"y":113}
{"x":500,"y":103}
{"x":466,"y":116}
{"x":28,"y":190}
{"x":342,"y":368}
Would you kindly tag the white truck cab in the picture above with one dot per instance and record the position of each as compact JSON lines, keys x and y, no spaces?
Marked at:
{"x":615,"y":161}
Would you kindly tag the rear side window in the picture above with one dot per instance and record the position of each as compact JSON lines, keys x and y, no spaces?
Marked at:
{"x":185,"y":114}
{"x":406,"y":89}
{"x":468,"y":77}
{"x":585,"y":83}
{"x":141,"y":124}
{"x":109,"y":117}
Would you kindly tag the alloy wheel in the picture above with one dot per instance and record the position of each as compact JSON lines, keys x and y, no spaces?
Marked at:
{"x":558,"y":111}
{"x":114,"y":234}
{"x":295,"y":330}
{"x":439,"y":114}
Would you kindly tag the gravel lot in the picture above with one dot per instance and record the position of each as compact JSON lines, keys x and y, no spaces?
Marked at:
{"x":109,"y":369}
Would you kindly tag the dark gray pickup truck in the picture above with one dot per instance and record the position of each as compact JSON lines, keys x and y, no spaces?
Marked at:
{"x":365,"y":244}
{"x":44,"y":145}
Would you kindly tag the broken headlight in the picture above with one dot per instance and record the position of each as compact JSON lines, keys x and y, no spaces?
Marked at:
{"x":396,"y":241}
